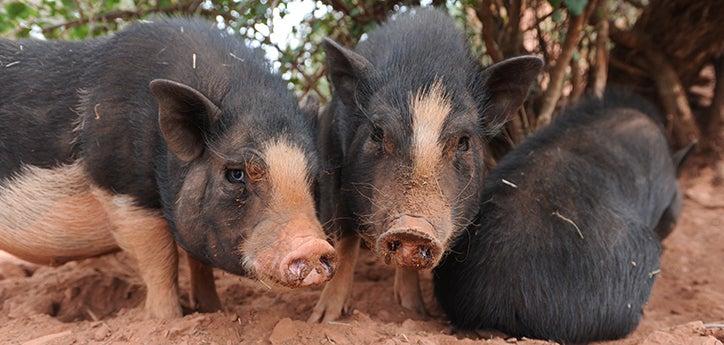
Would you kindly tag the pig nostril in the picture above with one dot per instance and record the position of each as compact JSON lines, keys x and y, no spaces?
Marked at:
{"x":393,"y":245}
{"x":425,"y":253}
{"x":297,"y":267}
{"x":326,"y":262}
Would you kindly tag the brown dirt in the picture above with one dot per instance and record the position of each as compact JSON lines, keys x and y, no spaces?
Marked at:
{"x":97,"y":301}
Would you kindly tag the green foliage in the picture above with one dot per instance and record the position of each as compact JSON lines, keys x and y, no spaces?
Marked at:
{"x":575,"y":7}
{"x":290,"y":31}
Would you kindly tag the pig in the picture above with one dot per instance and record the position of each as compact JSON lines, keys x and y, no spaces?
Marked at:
{"x":566,"y":242}
{"x":402,"y":140}
{"x":168,"y":132}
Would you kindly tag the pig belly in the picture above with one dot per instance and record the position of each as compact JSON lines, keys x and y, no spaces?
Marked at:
{"x":50,"y":216}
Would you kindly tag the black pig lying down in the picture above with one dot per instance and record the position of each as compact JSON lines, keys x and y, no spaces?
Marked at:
{"x":566,"y":243}
{"x":169,"y":132}
{"x":404,"y":134}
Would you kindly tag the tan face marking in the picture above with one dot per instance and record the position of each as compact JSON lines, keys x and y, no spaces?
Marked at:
{"x":290,"y":215}
{"x":429,"y":110}
{"x":288,"y":176}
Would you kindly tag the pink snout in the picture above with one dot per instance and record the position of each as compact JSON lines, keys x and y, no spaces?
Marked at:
{"x":310,"y":264}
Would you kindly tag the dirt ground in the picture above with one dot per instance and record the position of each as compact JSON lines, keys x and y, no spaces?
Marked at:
{"x":98,"y":301}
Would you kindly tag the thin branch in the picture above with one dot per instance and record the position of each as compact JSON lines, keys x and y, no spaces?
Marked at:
{"x":715,"y":123}
{"x":635,"y":3}
{"x":577,"y":83}
{"x":485,"y":14}
{"x":631,"y":70}
{"x":512,"y":38}
{"x":558,"y":71}
{"x":601,"y":62}
{"x":542,"y":43}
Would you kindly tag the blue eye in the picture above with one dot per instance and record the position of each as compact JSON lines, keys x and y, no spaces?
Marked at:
{"x":235,"y":175}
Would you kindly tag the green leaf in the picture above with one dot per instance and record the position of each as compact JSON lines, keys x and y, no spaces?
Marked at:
{"x":555,"y":3}
{"x":576,"y":7}
{"x":17,"y":10}
{"x":79,"y":32}
{"x":576,"y":55}
{"x":557,"y":16}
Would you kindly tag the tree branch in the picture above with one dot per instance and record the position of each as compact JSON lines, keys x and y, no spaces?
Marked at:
{"x":671,"y":92}
{"x":577,"y":83}
{"x":715,"y":124}
{"x":558,"y":71}
{"x":512,"y":38}
{"x":485,"y":14}
{"x":128,"y":15}
{"x":601,"y":61}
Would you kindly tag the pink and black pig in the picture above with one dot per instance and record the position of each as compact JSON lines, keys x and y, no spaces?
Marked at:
{"x":404,"y":137}
{"x":168,"y":132}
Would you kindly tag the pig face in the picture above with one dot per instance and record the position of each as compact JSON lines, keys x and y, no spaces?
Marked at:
{"x":415,"y":149}
{"x":242,"y":186}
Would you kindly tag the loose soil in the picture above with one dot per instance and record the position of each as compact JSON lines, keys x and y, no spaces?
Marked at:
{"x":99,"y":301}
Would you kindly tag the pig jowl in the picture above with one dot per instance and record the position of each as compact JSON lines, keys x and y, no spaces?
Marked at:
{"x":168,"y":132}
{"x":405,"y":136}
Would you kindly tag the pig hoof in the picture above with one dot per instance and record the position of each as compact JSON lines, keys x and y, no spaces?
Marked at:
{"x":165,"y":313}
{"x":412,"y":303}
{"x":207,"y":304}
{"x":331,"y":306}
{"x":329,"y":309}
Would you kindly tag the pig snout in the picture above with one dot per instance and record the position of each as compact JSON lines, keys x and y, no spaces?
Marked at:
{"x":310,"y":264}
{"x":410,"y":242}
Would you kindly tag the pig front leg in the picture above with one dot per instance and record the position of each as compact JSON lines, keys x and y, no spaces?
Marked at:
{"x":407,"y":290}
{"x":146,"y":236}
{"x":203,"y":288}
{"x":334,"y":301}
{"x":155,"y":252}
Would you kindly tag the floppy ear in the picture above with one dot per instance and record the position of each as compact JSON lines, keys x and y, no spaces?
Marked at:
{"x":184,"y":114}
{"x":503,"y":88}
{"x":346,"y":69}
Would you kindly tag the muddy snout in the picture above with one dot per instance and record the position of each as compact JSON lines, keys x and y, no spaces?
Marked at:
{"x":310,"y":264}
{"x":410,"y":242}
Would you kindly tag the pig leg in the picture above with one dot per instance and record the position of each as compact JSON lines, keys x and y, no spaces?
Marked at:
{"x":155,"y":252}
{"x":407,"y":290}
{"x":145,"y":235}
{"x":335,"y":297}
{"x":203,"y":288}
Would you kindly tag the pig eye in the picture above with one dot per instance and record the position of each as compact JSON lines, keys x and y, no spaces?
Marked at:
{"x":235,"y":175}
{"x":377,"y":134}
{"x":463,"y":144}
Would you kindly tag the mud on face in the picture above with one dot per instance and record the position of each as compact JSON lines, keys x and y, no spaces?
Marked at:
{"x":414,"y":182}
{"x":416,"y":134}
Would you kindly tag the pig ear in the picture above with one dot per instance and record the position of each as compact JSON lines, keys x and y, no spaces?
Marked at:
{"x":503,"y":89}
{"x":346,"y":69}
{"x":184,"y":114}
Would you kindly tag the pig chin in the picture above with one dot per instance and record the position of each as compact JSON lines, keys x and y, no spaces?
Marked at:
{"x":291,"y":261}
